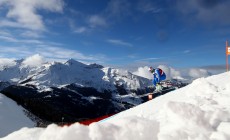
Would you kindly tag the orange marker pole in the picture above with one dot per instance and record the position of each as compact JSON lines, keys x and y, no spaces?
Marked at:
{"x":227,"y":55}
{"x":150,"y":96}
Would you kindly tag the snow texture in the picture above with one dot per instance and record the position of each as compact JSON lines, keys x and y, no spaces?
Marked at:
{"x":12,"y":116}
{"x":199,"y":111}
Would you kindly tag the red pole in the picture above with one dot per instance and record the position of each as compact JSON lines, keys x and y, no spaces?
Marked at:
{"x":227,"y":62}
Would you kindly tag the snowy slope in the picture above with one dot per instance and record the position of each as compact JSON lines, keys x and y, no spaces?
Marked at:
{"x":199,"y":111}
{"x":12,"y":116}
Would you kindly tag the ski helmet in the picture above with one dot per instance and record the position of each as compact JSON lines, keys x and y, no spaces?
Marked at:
{"x":151,"y":69}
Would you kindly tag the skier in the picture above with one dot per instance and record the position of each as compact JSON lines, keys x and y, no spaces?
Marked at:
{"x":158,"y":75}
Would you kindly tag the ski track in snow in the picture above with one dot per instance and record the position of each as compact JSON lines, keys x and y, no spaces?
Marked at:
{"x":199,"y":111}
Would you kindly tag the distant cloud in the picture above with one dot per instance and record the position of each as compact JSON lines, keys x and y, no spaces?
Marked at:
{"x":132,"y":56}
{"x":23,"y":13}
{"x":34,"y":61}
{"x":80,"y":30}
{"x":13,"y":24}
{"x":114,"y":11}
{"x":148,"y":7}
{"x":8,"y":39}
{"x":49,"y":52}
{"x":209,"y":12}
{"x":187,"y":51}
{"x":171,"y":73}
{"x":5,"y":33}
{"x":14,"y":40}
{"x":152,"y":58}
{"x":31,"y":34}
{"x":62,"y":53}
{"x":6,"y":62}
{"x":197,"y":73}
{"x":143,"y":72}
{"x":25,"y":38}
{"x":119,"y":42}
{"x":16,"y":52}
{"x":76,"y":28}
{"x":117,"y":9}
{"x":88,"y":24}
{"x":97,"y":21}
{"x":215,"y":69}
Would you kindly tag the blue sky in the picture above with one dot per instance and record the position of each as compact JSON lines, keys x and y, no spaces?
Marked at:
{"x":124,"y":33}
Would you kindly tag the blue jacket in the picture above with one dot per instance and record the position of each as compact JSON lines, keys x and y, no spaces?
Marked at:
{"x":158,"y":75}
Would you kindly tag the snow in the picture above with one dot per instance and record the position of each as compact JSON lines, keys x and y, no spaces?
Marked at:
{"x":34,"y":71}
{"x":12,"y":116}
{"x":199,"y":111}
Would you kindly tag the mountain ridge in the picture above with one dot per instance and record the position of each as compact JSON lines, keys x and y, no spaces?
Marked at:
{"x":71,"y":90}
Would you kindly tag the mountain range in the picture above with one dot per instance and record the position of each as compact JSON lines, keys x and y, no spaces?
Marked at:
{"x":72,"y":91}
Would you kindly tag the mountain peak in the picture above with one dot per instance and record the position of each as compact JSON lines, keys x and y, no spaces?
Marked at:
{"x":19,"y":61}
{"x":72,"y":61}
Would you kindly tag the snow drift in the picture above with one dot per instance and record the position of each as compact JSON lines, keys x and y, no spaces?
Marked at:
{"x":199,"y":111}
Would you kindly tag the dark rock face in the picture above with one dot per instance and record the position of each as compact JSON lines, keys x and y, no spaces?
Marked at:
{"x":4,"y":85}
{"x":71,"y":103}
{"x":74,"y":91}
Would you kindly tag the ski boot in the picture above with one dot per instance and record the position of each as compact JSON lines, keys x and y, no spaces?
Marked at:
{"x":158,"y":87}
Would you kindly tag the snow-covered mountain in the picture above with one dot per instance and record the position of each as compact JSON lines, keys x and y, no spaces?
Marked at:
{"x":58,"y":74}
{"x":71,"y":91}
{"x":199,"y":111}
